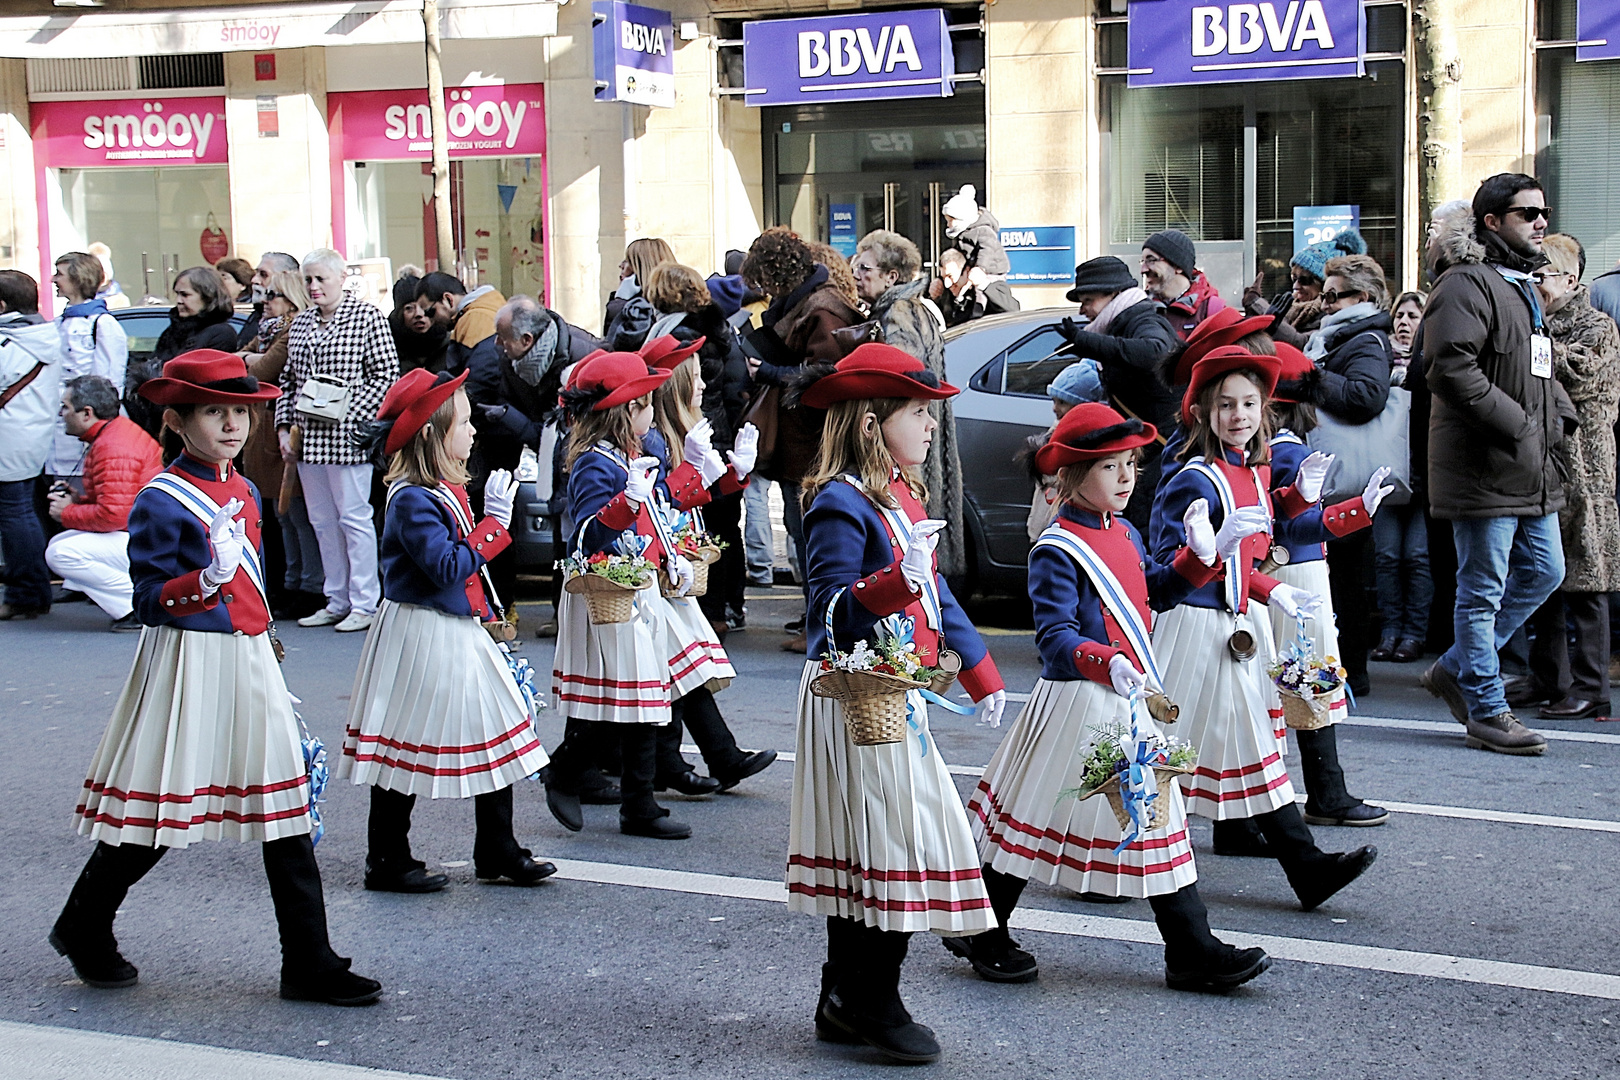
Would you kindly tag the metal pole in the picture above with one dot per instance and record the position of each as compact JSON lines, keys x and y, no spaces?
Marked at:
{"x":441,"y":149}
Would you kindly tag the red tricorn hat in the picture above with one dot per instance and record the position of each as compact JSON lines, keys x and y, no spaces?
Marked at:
{"x":605,"y":379}
{"x":1088,"y":431}
{"x":411,"y":402}
{"x":874,"y":370}
{"x":1227,"y":326}
{"x":206,"y":377}
{"x":1297,"y":375}
{"x":1219,"y":363}
{"x":666,"y":353}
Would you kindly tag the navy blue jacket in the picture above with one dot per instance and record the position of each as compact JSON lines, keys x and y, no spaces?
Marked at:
{"x":1304,"y":536}
{"x":429,"y":561}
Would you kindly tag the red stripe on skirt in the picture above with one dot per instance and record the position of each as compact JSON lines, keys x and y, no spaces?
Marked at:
{"x":174,"y":823}
{"x":816,"y":862}
{"x":887,"y":905}
{"x":413,"y":748}
{"x":209,"y":792}
{"x":1229,"y":796}
{"x":491,"y":766}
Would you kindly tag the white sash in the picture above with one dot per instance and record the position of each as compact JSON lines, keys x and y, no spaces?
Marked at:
{"x":1285,"y":436}
{"x":1113,"y":594}
{"x":203,"y":508}
{"x":1228,"y":498}
{"x":654,"y":513}
{"x":900,"y":526}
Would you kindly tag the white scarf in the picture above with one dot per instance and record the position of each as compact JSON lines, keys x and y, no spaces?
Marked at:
{"x":1119,"y":303}
{"x":1316,"y":346}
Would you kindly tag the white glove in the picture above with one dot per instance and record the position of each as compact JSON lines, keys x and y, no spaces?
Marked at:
{"x":918,"y":564}
{"x":745,"y":451}
{"x":1294,"y":602}
{"x":500,"y":492}
{"x":227,"y":537}
{"x":643,"y":474}
{"x":1313,"y":473}
{"x":1243,"y":522}
{"x":1123,"y":674}
{"x":1200,"y":535}
{"x":991,"y":706}
{"x":1374,"y":494}
{"x":710,"y":467}
{"x":681,"y":575}
{"x":698,"y":441}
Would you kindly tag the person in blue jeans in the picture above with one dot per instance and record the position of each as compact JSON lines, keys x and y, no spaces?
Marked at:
{"x":1401,"y":532}
{"x":31,"y":366}
{"x":1497,"y":414}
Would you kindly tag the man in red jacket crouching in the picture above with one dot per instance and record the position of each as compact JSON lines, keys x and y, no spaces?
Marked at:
{"x":92,"y":554}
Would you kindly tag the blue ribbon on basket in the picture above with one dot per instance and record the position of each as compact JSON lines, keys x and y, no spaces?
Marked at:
{"x":1304,"y":645}
{"x":902,"y":630}
{"x":1138,"y":786}
{"x":317,"y":773}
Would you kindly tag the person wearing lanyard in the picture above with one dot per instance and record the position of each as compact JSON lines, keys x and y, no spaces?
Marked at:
{"x":1497,"y":415}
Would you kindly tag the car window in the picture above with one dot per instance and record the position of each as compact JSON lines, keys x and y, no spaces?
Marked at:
{"x":1034,"y":362}
{"x":144,"y":330}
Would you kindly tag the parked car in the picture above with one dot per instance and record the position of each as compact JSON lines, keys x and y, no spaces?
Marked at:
{"x":144,"y":325}
{"x":1003,"y":363}
{"x":533,"y":523}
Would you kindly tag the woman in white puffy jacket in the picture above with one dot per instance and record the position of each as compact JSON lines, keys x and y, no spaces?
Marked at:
{"x":93,"y":343}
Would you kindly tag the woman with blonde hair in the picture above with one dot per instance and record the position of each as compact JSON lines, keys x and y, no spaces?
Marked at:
{"x":640,"y":256}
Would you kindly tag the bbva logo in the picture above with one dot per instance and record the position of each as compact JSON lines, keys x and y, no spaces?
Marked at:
{"x":637,"y":37}
{"x":1246,"y":27}
{"x":844,"y":52}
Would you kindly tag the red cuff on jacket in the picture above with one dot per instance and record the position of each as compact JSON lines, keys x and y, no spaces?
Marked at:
{"x":885,"y":592}
{"x":1260,"y":586}
{"x":184,"y":595}
{"x":982,"y":679}
{"x":729,"y":483}
{"x":617,"y":514}
{"x":1289,"y":502}
{"x":1092,"y":658}
{"x":489,"y":538}
{"x":1192,"y":568}
{"x":686,"y":488}
{"x":1342,"y":519}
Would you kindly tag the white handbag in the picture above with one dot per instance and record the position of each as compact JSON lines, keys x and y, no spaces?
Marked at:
{"x":321,"y":398}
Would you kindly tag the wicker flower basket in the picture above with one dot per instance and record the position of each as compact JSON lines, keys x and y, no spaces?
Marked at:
{"x":1158,"y":809}
{"x":700,"y":581}
{"x":874,"y":703}
{"x":606,"y":601}
{"x":1306,"y":712}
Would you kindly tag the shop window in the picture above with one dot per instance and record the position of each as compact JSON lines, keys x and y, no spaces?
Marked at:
{"x":1579,"y":145}
{"x":1176,"y":161}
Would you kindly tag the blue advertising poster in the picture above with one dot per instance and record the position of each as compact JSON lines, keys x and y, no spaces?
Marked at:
{"x":634,"y":51}
{"x":1314,"y":224}
{"x":1179,"y":42}
{"x":1040,"y":255}
{"x":841,"y":232}
{"x":892,"y":54}
{"x":1597,"y":30}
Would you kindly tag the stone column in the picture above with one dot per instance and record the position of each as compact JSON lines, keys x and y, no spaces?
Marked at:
{"x":281,"y":188}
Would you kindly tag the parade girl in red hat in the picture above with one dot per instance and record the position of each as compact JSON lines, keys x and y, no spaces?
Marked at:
{"x":435,"y":709}
{"x":203,"y":743}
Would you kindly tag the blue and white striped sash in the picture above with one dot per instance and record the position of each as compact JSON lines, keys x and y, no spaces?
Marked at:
{"x":900,"y":526}
{"x":1113,"y":594}
{"x":203,"y":508}
{"x":1223,"y":491}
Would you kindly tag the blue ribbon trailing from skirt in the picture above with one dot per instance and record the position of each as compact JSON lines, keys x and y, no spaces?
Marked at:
{"x":902,"y":629}
{"x":1138,"y":786}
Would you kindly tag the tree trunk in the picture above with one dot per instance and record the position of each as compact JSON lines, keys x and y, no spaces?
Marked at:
{"x":441,"y":148}
{"x":1440,"y":118}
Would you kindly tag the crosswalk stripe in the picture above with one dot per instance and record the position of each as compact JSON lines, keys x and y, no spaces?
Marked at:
{"x":1329,"y":953}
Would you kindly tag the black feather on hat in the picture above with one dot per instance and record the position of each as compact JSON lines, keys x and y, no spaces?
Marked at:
{"x":578,"y":402}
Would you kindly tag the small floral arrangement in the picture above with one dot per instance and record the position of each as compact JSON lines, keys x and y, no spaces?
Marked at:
{"x":1108,"y":758}
{"x":630,"y":571}
{"x":1303,"y":675}
{"x":891,"y":656}
{"x":691,"y":540}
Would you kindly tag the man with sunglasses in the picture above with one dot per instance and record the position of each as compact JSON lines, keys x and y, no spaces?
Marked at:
{"x":269,"y":264}
{"x":1496,"y":416}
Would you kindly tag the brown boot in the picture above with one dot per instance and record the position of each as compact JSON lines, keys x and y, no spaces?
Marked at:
{"x":796,"y":644}
{"x":1443,"y":685}
{"x":1504,"y":734}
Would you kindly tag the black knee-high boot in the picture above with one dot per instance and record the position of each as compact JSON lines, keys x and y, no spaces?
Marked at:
{"x":389,"y":864}
{"x":496,"y":852}
{"x":639,"y":813}
{"x":864,"y":1001}
{"x":1194,"y":958}
{"x":1240,"y":837}
{"x":1327,"y":800}
{"x":672,"y":769}
{"x":994,"y":954}
{"x":84,"y":931}
{"x":1314,"y":874}
{"x":310,"y":970}
{"x":727,"y":763}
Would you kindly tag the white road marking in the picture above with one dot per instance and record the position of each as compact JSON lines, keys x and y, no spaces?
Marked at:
{"x":38,"y":1052}
{"x":1464,"y":813}
{"x":1334,"y":954}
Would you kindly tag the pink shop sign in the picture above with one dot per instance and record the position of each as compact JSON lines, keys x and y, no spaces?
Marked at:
{"x":131,"y":131}
{"x":483,"y":121}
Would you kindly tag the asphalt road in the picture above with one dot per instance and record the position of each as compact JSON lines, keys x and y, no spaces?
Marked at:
{"x":1484,"y":943}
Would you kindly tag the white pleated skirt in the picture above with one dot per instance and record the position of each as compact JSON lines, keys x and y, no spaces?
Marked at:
{"x":878,"y":834}
{"x":434,"y":710}
{"x":1229,"y":710}
{"x":1026,"y":827}
{"x":1323,"y":627}
{"x":696,"y":658}
{"x":612,"y":672}
{"x":202,"y":745}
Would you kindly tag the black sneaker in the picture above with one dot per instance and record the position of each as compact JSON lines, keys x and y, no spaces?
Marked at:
{"x":995,"y":956}
{"x":129,"y":624}
{"x":795,"y":626}
{"x":1226,"y":971}
{"x":340,"y":987}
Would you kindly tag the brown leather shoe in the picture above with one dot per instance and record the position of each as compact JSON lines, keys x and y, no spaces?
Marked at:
{"x":1504,"y":734}
{"x":1574,"y":708}
{"x":1407,"y":651}
{"x":799,"y":644}
{"x":1443,"y":685}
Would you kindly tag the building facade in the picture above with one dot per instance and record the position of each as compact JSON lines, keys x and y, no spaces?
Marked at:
{"x":175,"y":134}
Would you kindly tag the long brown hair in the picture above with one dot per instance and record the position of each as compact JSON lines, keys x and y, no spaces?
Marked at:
{"x":423,"y":461}
{"x":673,"y":412}
{"x":612,"y":426}
{"x":848,"y":448}
{"x":1201,"y":438}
